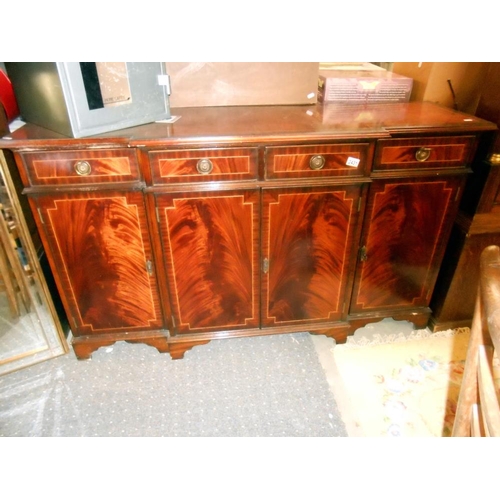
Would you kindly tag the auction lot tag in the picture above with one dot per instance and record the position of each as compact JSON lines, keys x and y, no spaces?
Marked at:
{"x":352,"y":162}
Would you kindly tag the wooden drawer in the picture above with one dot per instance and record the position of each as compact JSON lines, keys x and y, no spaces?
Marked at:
{"x":203,"y":165}
{"x":426,"y":152}
{"x":317,"y":160}
{"x":82,"y":167}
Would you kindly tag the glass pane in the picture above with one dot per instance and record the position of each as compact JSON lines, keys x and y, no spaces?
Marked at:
{"x":30,"y":330}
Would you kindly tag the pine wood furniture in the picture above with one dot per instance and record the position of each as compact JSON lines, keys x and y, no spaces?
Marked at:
{"x":240,"y":221}
{"x":478,"y":410}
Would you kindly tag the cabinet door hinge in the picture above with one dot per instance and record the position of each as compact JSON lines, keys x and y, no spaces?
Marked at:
{"x":265,"y":265}
{"x":149,"y":267}
{"x":363,"y":255}
{"x":360,"y":201}
{"x":40,"y":215}
{"x":458,"y":193}
{"x":157,"y":215}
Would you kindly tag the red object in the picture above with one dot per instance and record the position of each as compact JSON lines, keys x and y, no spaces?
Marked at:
{"x":7,"y":97}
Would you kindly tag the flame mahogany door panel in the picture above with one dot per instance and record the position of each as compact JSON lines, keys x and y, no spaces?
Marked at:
{"x":211,"y":250}
{"x":307,"y":240}
{"x":101,"y":258}
{"x":407,"y":225}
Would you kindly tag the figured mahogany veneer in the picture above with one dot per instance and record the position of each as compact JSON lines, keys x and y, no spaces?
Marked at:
{"x":229,"y":164}
{"x":246,"y":221}
{"x":211,"y":243}
{"x":102,"y":263}
{"x":427,"y":152}
{"x":307,"y":237}
{"x":337,"y":160}
{"x":408,"y":225}
{"x":82,"y":167}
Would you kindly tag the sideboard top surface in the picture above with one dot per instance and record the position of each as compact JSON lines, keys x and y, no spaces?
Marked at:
{"x":247,"y":124}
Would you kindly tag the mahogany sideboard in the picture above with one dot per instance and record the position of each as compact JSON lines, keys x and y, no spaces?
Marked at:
{"x":241,"y":221}
{"x":477,"y":224}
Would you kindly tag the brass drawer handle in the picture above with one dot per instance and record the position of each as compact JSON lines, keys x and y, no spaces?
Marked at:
{"x":317,"y":162}
{"x":82,"y":168}
{"x":204,"y":166}
{"x":423,"y":154}
{"x":495,"y":158}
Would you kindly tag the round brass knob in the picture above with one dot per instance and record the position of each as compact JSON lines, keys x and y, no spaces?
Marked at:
{"x":317,"y":162}
{"x":495,"y":158}
{"x":204,"y":166}
{"x":422,"y":154}
{"x":82,"y":168}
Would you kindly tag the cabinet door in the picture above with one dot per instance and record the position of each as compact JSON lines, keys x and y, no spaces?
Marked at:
{"x":101,"y":257}
{"x":407,"y":225}
{"x":210,"y":242}
{"x":307,"y":248}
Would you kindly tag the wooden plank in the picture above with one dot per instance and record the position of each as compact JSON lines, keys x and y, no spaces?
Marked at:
{"x":487,"y":391}
{"x":477,"y":428}
{"x":468,"y":390}
{"x":490,"y":292}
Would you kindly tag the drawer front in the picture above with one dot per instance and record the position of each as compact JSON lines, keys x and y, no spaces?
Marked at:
{"x":82,"y":167}
{"x":426,"y":152}
{"x":203,"y":165}
{"x":330,"y":160}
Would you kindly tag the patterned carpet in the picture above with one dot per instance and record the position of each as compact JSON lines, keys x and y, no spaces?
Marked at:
{"x":400,"y":385}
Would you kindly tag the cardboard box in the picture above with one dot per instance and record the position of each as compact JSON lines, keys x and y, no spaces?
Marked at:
{"x":242,"y":83}
{"x":363,"y":87}
{"x":350,"y":66}
{"x":430,"y":82}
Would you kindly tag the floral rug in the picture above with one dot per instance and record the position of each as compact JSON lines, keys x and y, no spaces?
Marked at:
{"x":401,"y":386}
